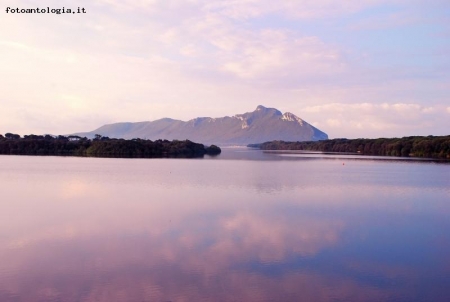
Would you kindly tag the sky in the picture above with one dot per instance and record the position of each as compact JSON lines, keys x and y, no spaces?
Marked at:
{"x":355,"y":69}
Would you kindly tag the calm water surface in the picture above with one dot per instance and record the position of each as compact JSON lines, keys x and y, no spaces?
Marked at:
{"x":244,"y":226}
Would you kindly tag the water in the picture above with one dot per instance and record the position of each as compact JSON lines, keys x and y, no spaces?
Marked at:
{"x":244,"y":226}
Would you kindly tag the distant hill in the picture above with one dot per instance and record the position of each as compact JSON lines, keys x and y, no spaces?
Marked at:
{"x":262,"y":125}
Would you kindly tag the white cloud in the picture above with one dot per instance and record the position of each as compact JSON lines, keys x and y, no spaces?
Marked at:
{"x":275,"y":54}
{"x":377,"y":120}
{"x":405,"y":107}
{"x":428,"y":110}
{"x":334,"y":123}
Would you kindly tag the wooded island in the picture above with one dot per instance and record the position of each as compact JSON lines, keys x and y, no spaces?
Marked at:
{"x":411,"y":146}
{"x":14,"y":144}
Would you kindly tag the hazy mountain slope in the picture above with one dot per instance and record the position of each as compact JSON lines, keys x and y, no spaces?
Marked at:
{"x":263,"y":124}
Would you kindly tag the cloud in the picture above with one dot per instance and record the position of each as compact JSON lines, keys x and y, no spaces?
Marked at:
{"x":334,"y":123}
{"x":275,"y":54}
{"x":388,"y":120}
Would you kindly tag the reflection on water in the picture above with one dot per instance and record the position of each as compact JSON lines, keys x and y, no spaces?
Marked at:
{"x":244,"y":226}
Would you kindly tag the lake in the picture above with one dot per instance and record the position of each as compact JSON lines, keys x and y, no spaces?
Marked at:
{"x":243,"y":226}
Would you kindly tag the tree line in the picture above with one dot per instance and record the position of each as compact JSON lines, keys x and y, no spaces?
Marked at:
{"x":411,"y":146}
{"x":14,"y":144}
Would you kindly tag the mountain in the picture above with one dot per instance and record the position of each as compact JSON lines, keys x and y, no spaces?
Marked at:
{"x":262,"y":125}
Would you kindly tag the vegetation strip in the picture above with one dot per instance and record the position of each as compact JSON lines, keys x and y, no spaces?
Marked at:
{"x":13,"y":144}
{"x":411,"y":146}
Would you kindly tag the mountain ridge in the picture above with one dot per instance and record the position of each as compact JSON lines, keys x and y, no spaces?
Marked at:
{"x":261,"y":125}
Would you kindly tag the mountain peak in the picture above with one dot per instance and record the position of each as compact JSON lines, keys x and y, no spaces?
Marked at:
{"x":266,"y":110}
{"x":289,"y":117}
{"x":263,"y":124}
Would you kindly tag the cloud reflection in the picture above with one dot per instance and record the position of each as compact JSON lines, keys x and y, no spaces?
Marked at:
{"x":123,"y":230}
{"x":196,"y":258}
